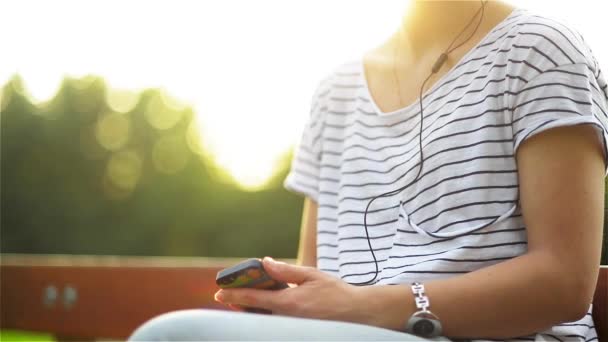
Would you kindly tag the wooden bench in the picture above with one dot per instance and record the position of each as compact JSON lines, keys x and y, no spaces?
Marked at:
{"x":86,"y":297}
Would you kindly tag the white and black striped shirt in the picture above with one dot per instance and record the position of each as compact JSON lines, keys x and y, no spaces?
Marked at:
{"x":527,"y":75}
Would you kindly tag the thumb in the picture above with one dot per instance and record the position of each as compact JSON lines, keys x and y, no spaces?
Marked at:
{"x":287,"y":273}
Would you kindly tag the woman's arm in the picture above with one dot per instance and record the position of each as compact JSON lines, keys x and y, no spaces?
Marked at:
{"x":562,"y":199}
{"x":307,"y":251}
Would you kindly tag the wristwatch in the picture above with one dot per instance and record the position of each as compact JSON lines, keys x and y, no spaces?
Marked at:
{"x":423,"y":322}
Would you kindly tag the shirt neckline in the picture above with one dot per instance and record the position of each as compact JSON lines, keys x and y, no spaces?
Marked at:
{"x":438,"y":83}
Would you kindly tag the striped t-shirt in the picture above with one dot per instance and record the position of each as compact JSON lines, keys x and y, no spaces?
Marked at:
{"x":527,"y":75}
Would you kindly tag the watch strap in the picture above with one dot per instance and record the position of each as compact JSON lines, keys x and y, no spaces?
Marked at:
{"x":423,"y":322}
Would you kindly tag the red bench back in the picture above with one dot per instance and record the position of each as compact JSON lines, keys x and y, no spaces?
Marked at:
{"x":77,"y":297}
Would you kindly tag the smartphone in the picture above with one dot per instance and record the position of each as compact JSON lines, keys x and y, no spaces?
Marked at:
{"x":251,"y":274}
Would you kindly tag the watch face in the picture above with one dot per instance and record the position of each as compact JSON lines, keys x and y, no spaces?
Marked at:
{"x":423,"y":327}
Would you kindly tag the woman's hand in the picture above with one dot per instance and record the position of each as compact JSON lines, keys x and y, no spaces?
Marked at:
{"x":317,"y":295}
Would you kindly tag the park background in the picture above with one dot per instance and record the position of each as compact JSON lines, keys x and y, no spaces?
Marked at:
{"x":157,"y":128}
{"x":167,"y":128}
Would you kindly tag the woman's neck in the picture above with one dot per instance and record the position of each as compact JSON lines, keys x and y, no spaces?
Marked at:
{"x":430,"y":23}
{"x":428,"y":27}
{"x":439,"y":16}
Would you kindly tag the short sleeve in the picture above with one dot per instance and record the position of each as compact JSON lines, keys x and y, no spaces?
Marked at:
{"x":566,"y":95}
{"x":303,"y":177}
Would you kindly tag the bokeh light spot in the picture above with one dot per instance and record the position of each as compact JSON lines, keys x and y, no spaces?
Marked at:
{"x":89,"y":146}
{"x":113,"y":192}
{"x":112,"y":131}
{"x":193,"y":138}
{"x":160,"y":115}
{"x":171,"y":102}
{"x":121,"y":101}
{"x":124,"y":169}
{"x":170,"y":154}
{"x":83,"y":83}
{"x":88,"y":96}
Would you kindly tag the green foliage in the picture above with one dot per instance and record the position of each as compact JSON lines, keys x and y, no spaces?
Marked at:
{"x":79,"y":178}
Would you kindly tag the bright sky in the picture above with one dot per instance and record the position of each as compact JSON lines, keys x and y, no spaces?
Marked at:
{"x":248,"y":67}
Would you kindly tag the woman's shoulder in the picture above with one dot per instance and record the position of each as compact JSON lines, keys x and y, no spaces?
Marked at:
{"x":553,"y":40}
{"x":339,"y":79}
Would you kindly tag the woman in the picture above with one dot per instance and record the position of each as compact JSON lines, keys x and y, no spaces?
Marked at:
{"x":494,"y":211}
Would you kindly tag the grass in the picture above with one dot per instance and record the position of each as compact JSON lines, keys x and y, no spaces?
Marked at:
{"x":18,"y":335}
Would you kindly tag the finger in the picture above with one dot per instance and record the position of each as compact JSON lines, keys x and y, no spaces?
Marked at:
{"x":263,"y":299}
{"x":289,"y":273}
{"x":236,"y":307}
{"x":217,"y":297}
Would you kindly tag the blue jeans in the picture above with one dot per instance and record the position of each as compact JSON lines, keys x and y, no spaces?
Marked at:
{"x":205,"y":325}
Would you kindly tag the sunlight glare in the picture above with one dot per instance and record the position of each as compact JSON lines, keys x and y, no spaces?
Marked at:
{"x":248,"y":68}
{"x":251,"y":171}
{"x":41,"y":85}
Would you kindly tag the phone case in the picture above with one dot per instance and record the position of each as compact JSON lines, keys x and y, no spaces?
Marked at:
{"x":249,"y":273}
